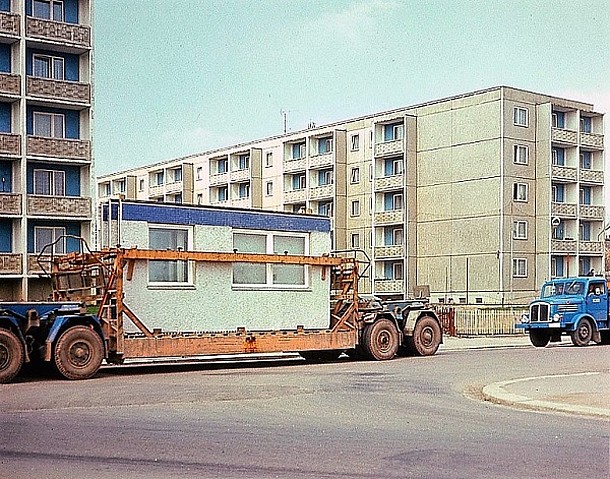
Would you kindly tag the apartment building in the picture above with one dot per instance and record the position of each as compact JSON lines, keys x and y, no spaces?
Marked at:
{"x":45,"y":149}
{"x":478,"y":197}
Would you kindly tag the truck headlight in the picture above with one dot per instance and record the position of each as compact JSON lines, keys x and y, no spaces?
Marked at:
{"x":525,"y":318}
{"x":556,"y":317}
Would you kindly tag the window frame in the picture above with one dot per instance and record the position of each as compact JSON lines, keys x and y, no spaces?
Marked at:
{"x":268,"y":159}
{"x":355,"y":240}
{"x":519,"y":268}
{"x":520,"y":230}
{"x":53,"y":176}
{"x":355,"y":208}
{"x":355,"y":142}
{"x":52,"y":12}
{"x":525,"y":150}
{"x":188,"y":265}
{"x":355,"y":176}
{"x":54,"y":236}
{"x":52,"y":62}
{"x":521,"y":116}
{"x":53,"y":118}
{"x":269,"y":188}
{"x":516,"y":192}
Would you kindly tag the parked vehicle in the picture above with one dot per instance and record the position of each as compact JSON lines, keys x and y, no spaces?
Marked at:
{"x":575,"y":306}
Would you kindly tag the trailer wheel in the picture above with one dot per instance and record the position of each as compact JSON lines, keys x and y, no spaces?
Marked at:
{"x":381,"y":340}
{"x":583,"y":333}
{"x":426,"y":337}
{"x":322,"y":355}
{"x":79,"y":352}
{"x":12,"y":355}
{"x":539,"y":338}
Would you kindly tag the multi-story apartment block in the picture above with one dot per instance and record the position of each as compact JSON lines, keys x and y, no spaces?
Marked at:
{"x":45,"y":150}
{"x":481,"y":196}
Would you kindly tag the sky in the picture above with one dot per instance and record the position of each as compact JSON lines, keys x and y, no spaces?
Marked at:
{"x":182,"y":77}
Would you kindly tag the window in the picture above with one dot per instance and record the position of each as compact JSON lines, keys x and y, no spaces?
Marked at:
{"x":325,"y":209}
{"x":46,"y":235}
{"x":244,"y":190}
{"x":222,"y":166}
{"x":49,"y":125}
{"x":49,"y":182}
{"x":325,"y":146}
{"x":141,"y":185}
{"x":559,"y":231}
{"x":585,"y":231}
{"x":120,"y":186}
{"x":172,"y":271}
{"x":397,"y":236}
{"x":392,"y":201}
{"x":355,"y":208}
{"x":519,"y":268}
{"x":520,"y":230}
{"x":299,"y":182}
{"x":558,"y":156}
{"x":520,"y":191}
{"x":585,"y":160}
{"x":243,"y":162}
{"x":393,"y":270}
{"x":585,"y":124}
{"x":105,"y":189}
{"x":269,"y":275}
{"x":558,"y":119}
{"x":222,"y":193}
{"x":355,"y":240}
{"x":520,"y":116}
{"x":44,"y":66}
{"x":199,"y":198}
{"x":178,"y":198}
{"x":48,"y":9}
{"x":558,"y":192}
{"x":355,"y":175}
{"x":269,"y":188}
{"x":177,"y":175}
{"x":298,"y":151}
{"x":585,"y":195}
{"x":355,"y":142}
{"x":521,"y":155}
{"x":199,"y":173}
{"x":557,"y":266}
{"x":269,"y":159}
{"x":397,"y":271}
{"x":393,"y":132}
{"x":325,"y":177}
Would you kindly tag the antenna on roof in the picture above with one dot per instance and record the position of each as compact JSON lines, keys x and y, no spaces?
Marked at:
{"x":284,"y":114}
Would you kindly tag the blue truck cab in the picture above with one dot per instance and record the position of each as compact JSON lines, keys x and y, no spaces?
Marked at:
{"x":576,"y":306}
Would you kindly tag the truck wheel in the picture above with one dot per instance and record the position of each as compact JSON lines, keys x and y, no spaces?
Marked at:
{"x":426,"y":337}
{"x":79,"y":352}
{"x":539,"y":338}
{"x":321,"y":355}
{"x":583,"y":333}
{"x":381,"y":340}
{"x":12,"y":355}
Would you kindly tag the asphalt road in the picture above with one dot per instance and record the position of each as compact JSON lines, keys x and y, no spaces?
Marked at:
{"x":410,"y":417}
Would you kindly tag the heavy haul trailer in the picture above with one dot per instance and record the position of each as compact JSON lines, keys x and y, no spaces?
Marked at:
{"x":95,"y":317}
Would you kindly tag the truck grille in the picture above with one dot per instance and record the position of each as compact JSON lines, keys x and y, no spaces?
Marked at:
{"x":539,"y":312}
{"x":567,"y":308}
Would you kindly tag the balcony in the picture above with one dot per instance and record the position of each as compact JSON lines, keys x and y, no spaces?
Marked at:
{"x":10,"y":84}
{"x":156,"y":190}
{"x":10,"y":23}
{"x":59,"y":90}
{"x":592,"y":140}
{"x":390,"y":251}
{"x":240,"y":175}
{"x":10,"y":144}
{"x":319,"y":192}
{"x":389,"y":217}
{"x":174,"y":187}
{"x":389,"y":183}
{"x":592,"y":176}
{"x":389,"y":286}
{"x":290,"y":165}
{"x":591,"y":247}
{"x":34,"y":265}
{"x":77,"y":35}
{"x":241,"y":202}
{"x":591,"y":212}
{"x":389,"y":148}
{"x":563,"y":173}
{"x":10,"y":203}
{"x":10,"y":263}
{"x":566,"y":210}
{"x":219,"y":179}
{"x":295,"y":196}
{"x":62,"y":206}
{"x":563,"y":246}
{"x":59,"y":148}
{"x":564,"y":137}
{"x":321,"y":161}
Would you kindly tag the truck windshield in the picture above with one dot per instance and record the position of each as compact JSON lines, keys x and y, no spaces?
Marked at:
{"x":574,"y":288}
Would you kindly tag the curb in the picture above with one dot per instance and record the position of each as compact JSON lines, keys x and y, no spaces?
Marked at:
{"x":498,"y":394}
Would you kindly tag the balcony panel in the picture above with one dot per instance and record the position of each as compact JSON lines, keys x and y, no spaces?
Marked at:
{"x":174,"y":187}
{"x":10,"y":84}
{"x":591,"y":212}
{"x":36,"y":265}
{"x":389,"y":217}
{"x":592,"y":140}
{"x":59,"y":148}
{"x":10,"y":203}
{"x":241,"y":203}
{"x":321,"y":161}
{"x":10,"y":144}
{"x":391,"y":251}
{"x":592,"y":176}
{"x":563,"y":246}
{"x":295,"y":165}
{"x":240,"y":175}
{"x":389,"y":183}
{"x":63,"y":206}
{"x":156,"y":190}
{"x":563,"y":173}
{"x":77,"y":35}
{"x":592,"y":247}
{"x":564,"y":137}
{"x":319,"y":192}
{"x":219,"y":179}
{"x":564,"y":209}
{"x":389,"y":148}
{"x":11,"y":263}
{"x":59,"y":90}
{"x":10,"y":23}
{"x":295,"y":196}
{"x":389,"y":286}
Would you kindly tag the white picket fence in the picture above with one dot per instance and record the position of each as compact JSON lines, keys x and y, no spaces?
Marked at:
{"x":469,"y":321}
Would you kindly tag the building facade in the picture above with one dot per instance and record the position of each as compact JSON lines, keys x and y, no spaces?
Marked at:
{"x":45,"y":137}
{"x":479,"y":197}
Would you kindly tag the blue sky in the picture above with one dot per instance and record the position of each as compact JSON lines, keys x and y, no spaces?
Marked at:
{"x":175,"y":78}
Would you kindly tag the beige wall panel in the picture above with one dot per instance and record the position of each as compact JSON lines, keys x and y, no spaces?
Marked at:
{"x":467,"y":236}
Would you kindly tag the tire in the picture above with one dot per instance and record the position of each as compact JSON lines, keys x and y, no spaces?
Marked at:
{"x":583,"y":333}
{"x":12,"y":355}
{"x":323,"y":355}
{"x":539,"y":338}
{"x":426,"y":337}
{"x":79,"y":352}
{"x":381,"y":340}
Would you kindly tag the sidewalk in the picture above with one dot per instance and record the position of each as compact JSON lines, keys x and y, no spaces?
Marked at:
{"x":451,"y":343}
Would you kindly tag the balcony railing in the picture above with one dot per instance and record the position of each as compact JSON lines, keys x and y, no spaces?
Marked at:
{"x":59,"y":148}
{"x":291,"y":165}
{"x":389,"y":183}
{"x":10,"y":84}
{"x":564,"y":209}
{"x":295,"y":196}
{"x":10,"y":23}
{"x":389,"y":148}
{"x":79,"y":35}
{"x":241,"y":202}
{"x":174,"y":187}
{"x":563,"y":246}
{"x":566,"y":137}
{"x":592,"y":140}
{"x":320,"y":161}
{"x":10,"y":203}
{"x":219,"y":179}
{"x":64,"y":206}
{"x":595,"y":247}
{"x":11,"y":263}
{"x":389,"y":217}
{"x":34,"y":264}
{"x":389,"y":286}
{"x":10,"y":144}
{"x":391,"y":251}
{"x":563,"y":173}
{"x":59,"y":90}
{"x":592,"y":176}
{"x":240,"y":175}
{"x":318,"y":192}
{"x":591,"y":212}
{"x":156,"y":190}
